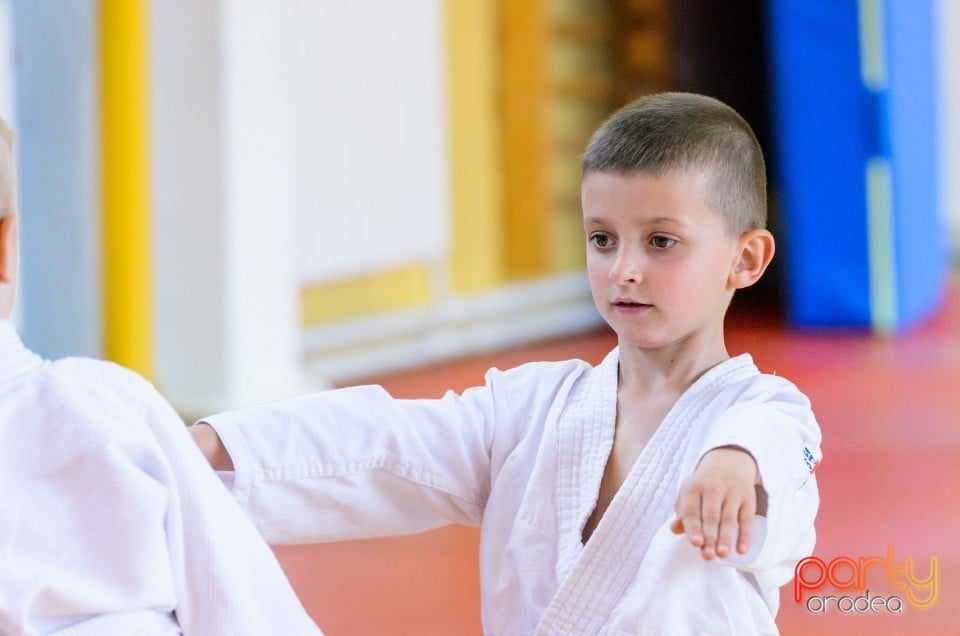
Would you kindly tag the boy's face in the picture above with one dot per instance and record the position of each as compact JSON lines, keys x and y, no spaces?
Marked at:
{"x":659,"y":259}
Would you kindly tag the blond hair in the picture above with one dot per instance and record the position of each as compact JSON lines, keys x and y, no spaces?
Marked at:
{"x":677,"y":131}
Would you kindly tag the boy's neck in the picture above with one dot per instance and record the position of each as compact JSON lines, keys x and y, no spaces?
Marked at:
{"x":674,"y":368}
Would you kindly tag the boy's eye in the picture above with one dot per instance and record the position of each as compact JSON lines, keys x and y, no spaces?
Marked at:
{"x":600,"y":240}
{"x":662,"y":242}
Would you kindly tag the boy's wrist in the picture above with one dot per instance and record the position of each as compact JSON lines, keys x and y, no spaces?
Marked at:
{"x":211,"y":446}
{"x":733,"y":451}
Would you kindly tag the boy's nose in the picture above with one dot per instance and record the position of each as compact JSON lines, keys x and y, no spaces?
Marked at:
{"x":626,"y":268}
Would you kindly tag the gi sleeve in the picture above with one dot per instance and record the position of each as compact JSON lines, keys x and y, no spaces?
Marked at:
{"x":227,"y":579}
{"x":773,"y":421}
{"x":357,"y":463}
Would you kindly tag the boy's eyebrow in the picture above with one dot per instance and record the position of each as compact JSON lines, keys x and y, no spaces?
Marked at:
{"x":656,"y":220}
{"x":665,"y":220}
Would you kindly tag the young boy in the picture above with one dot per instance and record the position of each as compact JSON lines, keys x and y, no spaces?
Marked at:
{"x":574,"y":473}
{"x":111,"y":523}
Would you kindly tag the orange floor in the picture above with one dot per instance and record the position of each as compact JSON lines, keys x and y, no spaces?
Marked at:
{"x":890,"y":413}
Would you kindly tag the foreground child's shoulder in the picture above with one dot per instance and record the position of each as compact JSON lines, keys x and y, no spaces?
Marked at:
{"x":100,"y":380}
{"x":97,"y":414}
{"x":96,"y":395}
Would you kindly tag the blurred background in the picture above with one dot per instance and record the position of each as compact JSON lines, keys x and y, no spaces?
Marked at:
{"x":245,"y":200}
{"x":239,"y":199}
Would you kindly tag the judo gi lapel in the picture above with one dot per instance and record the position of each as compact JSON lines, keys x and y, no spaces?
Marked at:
{"x":593,"y":577}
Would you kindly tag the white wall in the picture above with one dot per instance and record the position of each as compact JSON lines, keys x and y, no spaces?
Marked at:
{"x":188,"y":202}
{"x":293,"y":142}
{"x":259,"y":165}
{"x":227,"y":328}
{"x":371,"y":135}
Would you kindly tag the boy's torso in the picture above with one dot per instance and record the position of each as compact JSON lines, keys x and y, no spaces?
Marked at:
{"x":637,"y":419}
{"x":538,"y":574}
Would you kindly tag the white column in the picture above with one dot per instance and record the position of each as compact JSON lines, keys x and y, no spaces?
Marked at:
{"x":227,"y":292}
{"x":259,"y":176}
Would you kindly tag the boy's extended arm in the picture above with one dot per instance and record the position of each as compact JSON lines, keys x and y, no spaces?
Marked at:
{"x":357,"y":463}
{"x":717,"y":504}
{"x":227,"y":579}
{"x":759,"y":460}
{"x":715,"y":508}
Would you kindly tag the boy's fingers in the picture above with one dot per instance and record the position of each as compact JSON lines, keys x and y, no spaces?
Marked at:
{"x":710,"y":510}
{"x":688,"y":513}
{"x":746,"y":529}
{"x":729,"y":525}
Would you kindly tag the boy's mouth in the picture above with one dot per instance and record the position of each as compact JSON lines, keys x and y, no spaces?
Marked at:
{"x":628,"y":304}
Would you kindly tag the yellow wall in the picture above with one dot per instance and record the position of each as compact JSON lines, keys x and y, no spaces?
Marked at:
{"x":524,"y":106}
{"x":476,"y":190}
{"x":399,"y":288}
{"x":558,"y":80}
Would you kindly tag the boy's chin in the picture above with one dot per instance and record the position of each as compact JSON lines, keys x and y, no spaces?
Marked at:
{"x":654,"y":340}
{"x":642,"y":341}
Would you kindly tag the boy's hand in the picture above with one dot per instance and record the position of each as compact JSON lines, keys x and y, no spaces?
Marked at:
{"x":207,"y":440}
{"x":717,"y":502}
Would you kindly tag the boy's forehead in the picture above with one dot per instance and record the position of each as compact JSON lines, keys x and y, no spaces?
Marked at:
{"x":693,"y":179}
{"x":657,"y":198}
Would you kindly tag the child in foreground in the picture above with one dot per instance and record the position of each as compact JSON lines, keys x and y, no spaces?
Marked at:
{"x":665,"y":491}
{"x":111,"y":523}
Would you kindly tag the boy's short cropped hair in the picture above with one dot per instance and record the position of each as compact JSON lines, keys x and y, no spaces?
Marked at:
{"x":670,"y":132}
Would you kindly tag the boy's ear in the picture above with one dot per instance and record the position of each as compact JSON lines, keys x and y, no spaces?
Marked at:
{"x":8,"y":248}
{"x":756,"y":252}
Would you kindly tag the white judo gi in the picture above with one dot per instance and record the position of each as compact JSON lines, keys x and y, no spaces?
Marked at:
{"x":522,"y":457}
{"x":112,"y":523}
